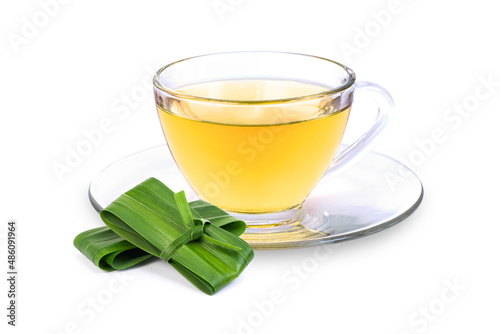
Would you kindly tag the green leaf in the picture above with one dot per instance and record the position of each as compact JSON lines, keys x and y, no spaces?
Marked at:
{"x":198,"y":239}
{"x":108,"y":250}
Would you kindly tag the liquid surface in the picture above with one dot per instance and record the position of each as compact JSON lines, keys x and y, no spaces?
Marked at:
{"x":253,"y":158}
{"x":251,"y":90}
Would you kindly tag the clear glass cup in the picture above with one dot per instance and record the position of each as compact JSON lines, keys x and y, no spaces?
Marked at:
{"x":254,"y":132}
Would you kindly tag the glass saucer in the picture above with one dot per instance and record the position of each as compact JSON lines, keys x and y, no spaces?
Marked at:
{"x":356,"y":203}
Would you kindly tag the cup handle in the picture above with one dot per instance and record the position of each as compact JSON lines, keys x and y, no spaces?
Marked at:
{"x":369,"y":139}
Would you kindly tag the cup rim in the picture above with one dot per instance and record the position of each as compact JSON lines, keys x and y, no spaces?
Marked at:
{"x":351,"y":78}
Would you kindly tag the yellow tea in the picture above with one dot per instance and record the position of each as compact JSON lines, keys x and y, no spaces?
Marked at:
{"x":245,"y":152}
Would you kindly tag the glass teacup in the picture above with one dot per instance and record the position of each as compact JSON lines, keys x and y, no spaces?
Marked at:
{"x":254,"y":132}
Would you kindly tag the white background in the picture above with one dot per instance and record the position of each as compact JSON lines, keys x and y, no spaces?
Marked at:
{"x":68,"y":74}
